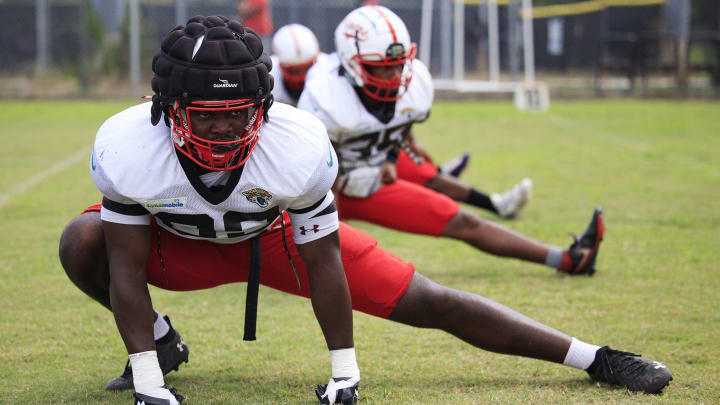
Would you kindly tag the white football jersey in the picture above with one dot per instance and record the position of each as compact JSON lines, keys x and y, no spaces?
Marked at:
{"x":136,"y":167}
{"x":361,"y":139}
{"x":280,"y":92}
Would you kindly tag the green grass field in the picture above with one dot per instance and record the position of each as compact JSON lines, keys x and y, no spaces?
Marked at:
{"x":653,"y":166}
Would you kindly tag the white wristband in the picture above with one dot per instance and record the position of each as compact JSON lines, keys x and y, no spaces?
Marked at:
{"x":344,"y":363}
{"x":146,"y":371}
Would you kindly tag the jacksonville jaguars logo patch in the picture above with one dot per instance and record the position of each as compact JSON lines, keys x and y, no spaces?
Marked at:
{"x":407,"y":112}
{"x":258,"y":196}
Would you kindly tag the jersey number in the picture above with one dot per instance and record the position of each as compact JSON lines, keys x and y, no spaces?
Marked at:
{"x":202,"y":225}
{"x":379,"y":141}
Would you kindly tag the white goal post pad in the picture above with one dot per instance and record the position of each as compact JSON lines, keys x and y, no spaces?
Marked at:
{"x":532,"y":96}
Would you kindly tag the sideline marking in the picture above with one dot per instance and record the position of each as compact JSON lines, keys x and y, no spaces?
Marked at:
{"x":38,"y":178}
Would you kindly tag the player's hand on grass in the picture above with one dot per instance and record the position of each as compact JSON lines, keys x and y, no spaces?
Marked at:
{"x":339,"y":390}
{"x":157,"y":396}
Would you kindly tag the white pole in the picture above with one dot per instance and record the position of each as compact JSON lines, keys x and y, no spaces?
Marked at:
{"x":426,"y":31}
{"x":41,"y":37}
{"x":134,"y":45}
{"x":528,"y":44}
{"x":180,"y":12}
{"x":446,"y":38}
{"x":493,"y":41}
{"x":682,"y":42}
{"x":459,"y":40}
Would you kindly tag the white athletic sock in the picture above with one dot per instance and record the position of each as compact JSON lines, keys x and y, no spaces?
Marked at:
{"x":146,"y":371}
{"x":344,"y":363}
{"x":554,"y":257}
{"x":580,"y":354}
{"x":160,"y":326}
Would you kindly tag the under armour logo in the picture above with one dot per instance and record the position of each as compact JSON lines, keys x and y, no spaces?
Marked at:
{"x":141,"y":403}
{"x":315,"y":229}
{"x":658,"y":365}
{"x":180,"y":345}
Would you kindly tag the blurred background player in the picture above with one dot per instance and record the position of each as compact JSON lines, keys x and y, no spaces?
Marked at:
{"x":255,"y":14}
{"x":369,"y":103}
{"x":295,"y":51}
{"x":297,"y":54}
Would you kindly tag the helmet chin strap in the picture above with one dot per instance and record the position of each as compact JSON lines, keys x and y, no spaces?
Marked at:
{"x":226,"y":148}
{"x":381,"y":94}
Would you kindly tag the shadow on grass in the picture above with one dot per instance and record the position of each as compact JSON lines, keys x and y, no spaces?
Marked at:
{"x":233,"y":385}
{"x":267,"y":385}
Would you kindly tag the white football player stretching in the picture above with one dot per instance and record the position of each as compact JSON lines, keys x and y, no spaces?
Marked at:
{"x":203,"y":199}
{"x":369,"y":102}
{"x":297,"y":53}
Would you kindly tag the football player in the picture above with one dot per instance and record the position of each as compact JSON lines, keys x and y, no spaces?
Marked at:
{"x":297,"y":53}
{"x":209,"y":185}
{"x":369,"y":102}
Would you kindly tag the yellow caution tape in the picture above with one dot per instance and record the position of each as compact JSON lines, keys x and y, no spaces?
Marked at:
{"x":583,"y":7}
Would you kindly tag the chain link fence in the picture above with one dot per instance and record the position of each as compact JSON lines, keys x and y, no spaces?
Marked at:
{"x":67,"y":48}
{"x":83,"y":47}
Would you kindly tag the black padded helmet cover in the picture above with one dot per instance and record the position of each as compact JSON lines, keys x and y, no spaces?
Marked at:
{"x":210,"y":58}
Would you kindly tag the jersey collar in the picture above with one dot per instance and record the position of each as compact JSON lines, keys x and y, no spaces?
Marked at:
{"x":214,"y":195}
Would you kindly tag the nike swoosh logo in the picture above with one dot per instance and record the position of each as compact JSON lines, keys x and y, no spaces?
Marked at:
{"x":330,"y":162}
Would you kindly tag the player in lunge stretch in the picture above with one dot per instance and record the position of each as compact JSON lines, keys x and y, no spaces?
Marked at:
{"x":211,"y":184}
{"x":369,"y":102}
{"x":297,"y":54}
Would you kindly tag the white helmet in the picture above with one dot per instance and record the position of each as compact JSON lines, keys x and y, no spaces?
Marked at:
{"x":296,"y":48}
{"x":375,"y":36}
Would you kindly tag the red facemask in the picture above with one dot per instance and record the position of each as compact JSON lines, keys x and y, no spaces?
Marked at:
{"x":228,"y":153}
{"x":386,"y":90}
{"x":294,"y":75}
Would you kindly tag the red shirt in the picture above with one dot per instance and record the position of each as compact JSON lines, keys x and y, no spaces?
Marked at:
{"x":259,"y":18}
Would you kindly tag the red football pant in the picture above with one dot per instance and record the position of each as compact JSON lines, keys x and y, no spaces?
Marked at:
{"x":403,"y":206}
{"x":376,"y":278}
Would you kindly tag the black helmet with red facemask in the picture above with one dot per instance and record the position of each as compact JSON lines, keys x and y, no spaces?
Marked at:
{"x":212,"y":65}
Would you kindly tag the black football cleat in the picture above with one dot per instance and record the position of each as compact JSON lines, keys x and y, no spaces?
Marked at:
{"x":584,"y":249}
{"x":141,"y":399}
{"x":171,"y":351}
{"x":456,"y":166}
{"x":629,"y":370}
{"x":345,"y":396}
